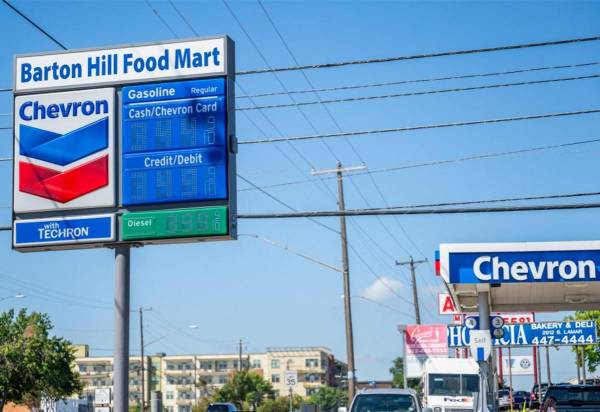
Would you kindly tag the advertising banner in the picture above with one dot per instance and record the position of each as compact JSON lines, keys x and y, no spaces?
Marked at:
{"x":533,"y":334}
{"x":424,"y":342}
{"x":150,"y":159}
{"x":520,"y":262}
{"x":518,"y":365}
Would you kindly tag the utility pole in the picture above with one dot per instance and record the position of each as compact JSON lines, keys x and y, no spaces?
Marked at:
{"x":141,"y":310}
{"x":346,"y":272}
{"x":412,"y":264}
{"x":240,"y":357}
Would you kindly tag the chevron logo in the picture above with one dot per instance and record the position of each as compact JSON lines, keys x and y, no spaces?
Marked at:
{"x":62,"y":150}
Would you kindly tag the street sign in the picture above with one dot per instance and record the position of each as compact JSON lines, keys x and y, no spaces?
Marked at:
{"x":290,"y":378}
{"x":528,"y":262}
{"x":64,"y":230}
{"x":533,"y":334}
{"x":480,"y":345}
{"x":102,"y":396}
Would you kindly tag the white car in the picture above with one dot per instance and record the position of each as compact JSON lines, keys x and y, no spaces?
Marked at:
{"x":386,"y":400}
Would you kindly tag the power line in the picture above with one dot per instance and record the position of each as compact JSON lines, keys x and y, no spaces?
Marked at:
{"x":182,"y":16}
{"x":395,"y":211}
{"x":163,"y":21}
{"x":431,"y":79}
{"x":336,"y":123}
{"x":34,"y":24}
{"x":422,"y":56}
{"x":422,"y":93}
{"x":283,"y":87}
{"x":281,"y":202}
{"x":437,"y":162}
{"x":422,"y":127}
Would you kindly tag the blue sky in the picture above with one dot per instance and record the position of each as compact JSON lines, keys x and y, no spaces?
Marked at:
{"x":251,"y":290}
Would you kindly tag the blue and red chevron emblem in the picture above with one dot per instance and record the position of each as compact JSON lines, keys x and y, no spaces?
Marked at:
{"x":62,"y":150}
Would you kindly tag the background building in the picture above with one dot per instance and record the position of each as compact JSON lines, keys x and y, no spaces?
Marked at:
{"x":182,"y":379}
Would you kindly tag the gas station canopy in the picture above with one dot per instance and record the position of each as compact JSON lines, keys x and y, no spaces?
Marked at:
{"x":528,"y":276}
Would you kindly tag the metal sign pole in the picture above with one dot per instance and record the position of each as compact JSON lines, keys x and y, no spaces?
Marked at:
{"x":121,"y":357}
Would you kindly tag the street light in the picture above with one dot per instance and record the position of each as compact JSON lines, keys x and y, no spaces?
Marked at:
{"x":17,"y":296}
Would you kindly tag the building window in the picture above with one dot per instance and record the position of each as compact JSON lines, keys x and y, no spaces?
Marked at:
{"x":311,"y":391}
{"x":169,"y":395}
{"x":275,"y":378}
{"x":82,"y":368}
{"x":223,"y":379}
{"x":168,"y":409}
{"x":275,"y":363}
{"x":235,"y":364}
{"x":221,"y":365}
{"x":206,"y":365}
{"x":311,"y":363}
{"x":205,"y":379}
{"x":256,"y":364}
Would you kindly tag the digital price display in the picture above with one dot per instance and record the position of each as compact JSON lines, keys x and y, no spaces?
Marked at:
{"x":194,"y":222}
{"x":174,"y":142}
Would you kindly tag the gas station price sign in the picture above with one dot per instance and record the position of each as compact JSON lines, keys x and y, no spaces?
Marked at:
{"x":174,"y":142}
{"x":165,"y":224}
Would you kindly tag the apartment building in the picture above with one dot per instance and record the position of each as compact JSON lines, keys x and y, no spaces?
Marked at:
{"x":182,"y":379}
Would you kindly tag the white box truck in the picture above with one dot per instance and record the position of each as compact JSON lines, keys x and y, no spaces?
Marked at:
{"x":448,"y":384}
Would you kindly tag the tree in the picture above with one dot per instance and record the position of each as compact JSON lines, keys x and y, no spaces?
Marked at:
{"x":201,"y":404}
{"x":34,"y":365}
{"x":592,"y":352}
{"x":397,"y":371}
{"x":280,"y":404}
{"x":245,"y":388}
{"x":329,"y":399}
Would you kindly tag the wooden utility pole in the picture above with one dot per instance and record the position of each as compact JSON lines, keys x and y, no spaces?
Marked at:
{"x":346,"y":273}
{"x":413,"y":264}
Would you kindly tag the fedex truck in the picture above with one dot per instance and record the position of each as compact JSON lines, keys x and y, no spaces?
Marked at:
{"x":448,"y":384}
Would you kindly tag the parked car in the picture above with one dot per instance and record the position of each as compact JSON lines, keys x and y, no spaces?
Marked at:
{"x":386,"y":400}
{"x":520,"y":398}
{"x":571,"y":398}
{"x":222,"y":407}
{"x":503,"y":399}
{"x":534,"y":395}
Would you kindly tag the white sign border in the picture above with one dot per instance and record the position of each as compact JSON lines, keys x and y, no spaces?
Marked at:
{"x":228,"y":65}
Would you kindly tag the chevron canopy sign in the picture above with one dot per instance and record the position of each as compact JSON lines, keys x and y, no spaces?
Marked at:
{"x":64,"y":151}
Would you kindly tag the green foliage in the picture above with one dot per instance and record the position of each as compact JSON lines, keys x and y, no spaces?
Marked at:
{"x":329,"y":399}
{"x":34,"y":365}
{"x":397,"y":371}
{"x":280,"y":404}
{"x":246,"y":390}
{"x":592,"y":352}
{"x":202,"y":404}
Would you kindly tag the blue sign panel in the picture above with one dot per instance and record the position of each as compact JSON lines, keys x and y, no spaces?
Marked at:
{"x":67,"y":230}
{"x":532,"y":334}
{"x":559,"y":262}
{"x":174,"y":142}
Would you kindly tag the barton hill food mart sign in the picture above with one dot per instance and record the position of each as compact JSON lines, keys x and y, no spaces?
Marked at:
{"x":131,"y":144}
